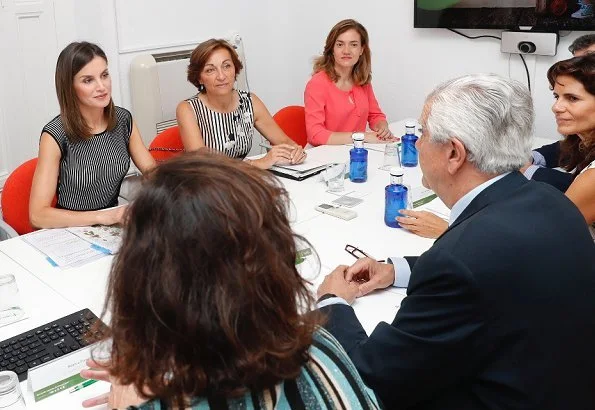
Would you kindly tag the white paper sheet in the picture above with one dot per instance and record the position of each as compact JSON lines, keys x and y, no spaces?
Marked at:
{"x":63,"y":248}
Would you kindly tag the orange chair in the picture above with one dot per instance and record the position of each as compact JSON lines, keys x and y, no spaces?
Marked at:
{"x":292,"y":121}
{"x":167,"y":144}
{"x":15,"y":197}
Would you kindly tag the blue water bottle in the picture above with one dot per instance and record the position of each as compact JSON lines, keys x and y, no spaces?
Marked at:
{"x":358,"y":159}
{"x":395,"y":197}
{"x":408,"y":150}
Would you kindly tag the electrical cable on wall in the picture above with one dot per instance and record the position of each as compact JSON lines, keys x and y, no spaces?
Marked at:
{"x":498,"y":38}
{"x":474,"y":37}
{"x":527,"y":71}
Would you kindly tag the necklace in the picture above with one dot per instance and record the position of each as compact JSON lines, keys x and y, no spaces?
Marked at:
{"x":221,"y":107}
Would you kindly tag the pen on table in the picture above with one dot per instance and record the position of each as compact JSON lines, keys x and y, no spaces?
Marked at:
{"x":82,"y":385}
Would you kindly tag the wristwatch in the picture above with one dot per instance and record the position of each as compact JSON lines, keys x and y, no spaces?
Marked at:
{"x":326,"y":296}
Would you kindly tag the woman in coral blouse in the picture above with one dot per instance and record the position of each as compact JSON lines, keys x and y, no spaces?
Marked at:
{"x":339,"y":98}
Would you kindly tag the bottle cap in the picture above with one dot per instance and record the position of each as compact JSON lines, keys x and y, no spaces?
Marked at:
{"x":410,"y":124}
{"x":358,"y":136}
{"x":396,"y":171}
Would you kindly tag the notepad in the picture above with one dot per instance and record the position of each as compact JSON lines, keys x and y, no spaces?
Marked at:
{"x":307,"y":165}
{"x":287,"y":172}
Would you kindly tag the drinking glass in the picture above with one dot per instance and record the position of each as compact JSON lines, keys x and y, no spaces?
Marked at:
{"x":334,"y":175}
{"x":391,"y":156}
{"x":10,"y":307}
{"x":11,"y":397}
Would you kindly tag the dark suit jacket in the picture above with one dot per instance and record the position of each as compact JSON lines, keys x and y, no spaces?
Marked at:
{"x":554,"y":177}
{"x":500,"y":312}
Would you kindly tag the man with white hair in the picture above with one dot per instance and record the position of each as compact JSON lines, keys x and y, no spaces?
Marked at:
{"x":499,"y":311}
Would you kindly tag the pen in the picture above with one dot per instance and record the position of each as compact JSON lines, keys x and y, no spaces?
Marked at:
{"x":82,"y":385}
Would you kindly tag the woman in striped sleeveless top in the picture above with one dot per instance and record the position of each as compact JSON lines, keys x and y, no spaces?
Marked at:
{"x":222,"y":118}
{"x":84,"y":153}
{"x":213,"y":319}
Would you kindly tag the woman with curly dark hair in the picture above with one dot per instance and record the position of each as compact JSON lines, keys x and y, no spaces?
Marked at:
{"x":207,"y":307}
{"x":573,"y":84}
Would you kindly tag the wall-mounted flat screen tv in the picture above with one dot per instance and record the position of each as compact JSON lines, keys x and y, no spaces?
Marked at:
{"x":541,"y":15}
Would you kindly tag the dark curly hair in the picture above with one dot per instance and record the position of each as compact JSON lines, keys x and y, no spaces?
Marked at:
{"x":201,"y":54}
{"x":204,"y":295}
{"x":575,"y":153}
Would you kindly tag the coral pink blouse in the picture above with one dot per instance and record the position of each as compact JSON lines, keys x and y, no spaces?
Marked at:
{"x":329,"y":109}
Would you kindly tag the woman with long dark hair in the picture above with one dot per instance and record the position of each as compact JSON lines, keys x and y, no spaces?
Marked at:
{"x":85,"y":152}
{"x":207,"y":307}
{"x":573,"y":84}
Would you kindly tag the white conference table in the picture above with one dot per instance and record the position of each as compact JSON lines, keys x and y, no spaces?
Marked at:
{"x":42,"y":305}
{"x":50,"y":292}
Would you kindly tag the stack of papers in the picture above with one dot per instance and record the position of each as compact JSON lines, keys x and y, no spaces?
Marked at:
{"x":70,"y":247}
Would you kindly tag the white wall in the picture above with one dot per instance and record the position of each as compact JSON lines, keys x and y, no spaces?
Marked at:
{"x":29,"y":32}
{"x":408,"y":63}
{"x":263,"y":25}
{"x":282,"y":37}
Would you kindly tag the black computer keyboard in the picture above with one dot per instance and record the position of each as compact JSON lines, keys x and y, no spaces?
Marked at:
{"x":49,"y":341}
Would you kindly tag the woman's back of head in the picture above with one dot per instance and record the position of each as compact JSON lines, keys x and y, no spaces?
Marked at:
{"x":205,"y":288}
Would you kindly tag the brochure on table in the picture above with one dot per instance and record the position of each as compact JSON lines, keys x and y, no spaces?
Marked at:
{"x":71,"y":247}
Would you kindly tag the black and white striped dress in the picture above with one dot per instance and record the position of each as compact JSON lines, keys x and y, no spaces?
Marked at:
{"x":229,"y":132}
{"x":91,"y":171}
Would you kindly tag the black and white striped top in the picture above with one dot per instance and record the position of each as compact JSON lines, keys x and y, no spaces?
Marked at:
{"x":91,"y":171}
{"x":229,"y":132}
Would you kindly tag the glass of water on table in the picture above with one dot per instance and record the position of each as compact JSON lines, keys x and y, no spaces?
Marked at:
{"x":10,"y":304}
